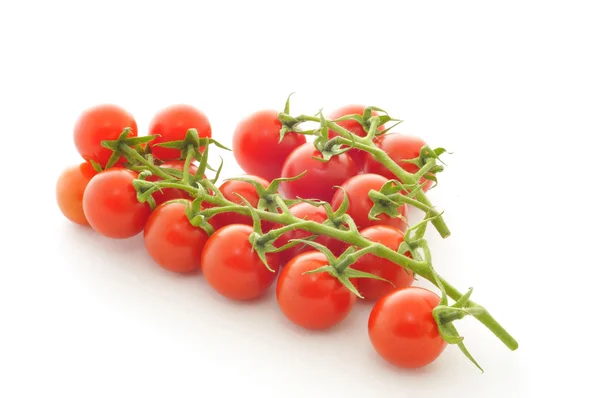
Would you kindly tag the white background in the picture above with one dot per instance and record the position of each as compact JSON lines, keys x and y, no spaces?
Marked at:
{"x":512,"y":88}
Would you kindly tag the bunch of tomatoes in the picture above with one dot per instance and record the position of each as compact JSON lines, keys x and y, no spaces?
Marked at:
{"x":401,"y":326}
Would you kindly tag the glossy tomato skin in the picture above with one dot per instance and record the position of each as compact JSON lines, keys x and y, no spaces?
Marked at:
{"x":232,"y":268}
{"x":100,"y":123}
{"x":399,"y":148}
{"x":353,"y":126}
{"x":110,"y":204}
{"x":402,"y":328}
{"x":230,"y":190}
{"x":172,"y":241}
{"x":372,"y":289}
{"x":172,"y":124}
{"x":320,"y":177}
{"x":357,"y":188}
{"x":256,"y":145}
{"x":69,"y":191}
{"x":312,"y":301}
{"x":166,"y":194}
{"x":309,"y":212}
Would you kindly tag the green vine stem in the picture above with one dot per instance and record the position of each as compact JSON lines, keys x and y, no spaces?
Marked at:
{"x":287,"y":220}
{"x":366,"y":144}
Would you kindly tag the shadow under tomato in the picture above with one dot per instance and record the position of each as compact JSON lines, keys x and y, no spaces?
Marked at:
{"x":268,"y":296}
{"x":424,"y":371}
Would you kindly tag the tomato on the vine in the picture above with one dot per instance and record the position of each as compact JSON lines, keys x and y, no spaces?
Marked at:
{"x":399,"y":148}
{"x":69,"y":191}
{"x":357,"y":188}
{"x":312,"y":301}
{"x":373,"y":289}
{"x":320,"y":177}
{"x":101,"y":123}
{"x":232,"y":190}
{"x":231,"y":266}
{"x":353,"y":126}
{"x":256,"y":145}
{"x":172,"y":124}
{"x":166,"y":194}
{"x":111,"y":207}
{"x":308,"y":212}
{"x":402,"y":328}
{"x":170,"y":239}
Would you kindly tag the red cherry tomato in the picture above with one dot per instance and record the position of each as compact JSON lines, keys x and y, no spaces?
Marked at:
{"x":69,"y":191}
{"x":172,"y":241}
{"x":256,"y":145}
{"x":101,"y":123}
{"x":402,"y":328}
{"x":357,"y":188}
{"x":172,"y":124}
{"x":353,"y":126}
{"x":232,"y":267}
{"x":166,"y":194}
{"x":309,"y":212}
{"x":230,"y":190}
{"x":372,"y":289}
{"x":312,"y":301}
{"x":399,"y":148}
{"x":320,"y":177}
{"x":110,"y":204}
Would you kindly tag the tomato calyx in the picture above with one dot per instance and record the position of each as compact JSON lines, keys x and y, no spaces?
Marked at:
{"x":122,"y":146}
{"x":289,"y":124}
{"x":145,"y":188}
{"x":191,"y":143}
{"x":269,"y":199}
{"x":340,"y":267}
{"x":329,"y":147}
{"x":445,"y":315}
{"x":427,"y":164}
{"x":386,"y":200}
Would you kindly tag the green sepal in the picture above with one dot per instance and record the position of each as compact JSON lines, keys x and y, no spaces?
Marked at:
{"x":95,"y":165}
{"x":325,"y":268}
{"x":356,"y":117}
{"x":344,"y":280}
{"x":217,"y":172}
{"x":379,"y":133}
{"x":461,"y":302}
{"x":354,"y":273}
{"x":322,"y":248}
{"x":134,"y":141}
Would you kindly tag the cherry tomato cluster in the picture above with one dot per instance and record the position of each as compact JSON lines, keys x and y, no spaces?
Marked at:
{"x":104,"y":192}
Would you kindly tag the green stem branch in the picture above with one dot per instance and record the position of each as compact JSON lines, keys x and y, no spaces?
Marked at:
{"x":366,"y":144}
{"x":186,"y":166}
{"x":131,"y":153}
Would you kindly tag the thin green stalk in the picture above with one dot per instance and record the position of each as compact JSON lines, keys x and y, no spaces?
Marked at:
{"x":186,"y":166}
